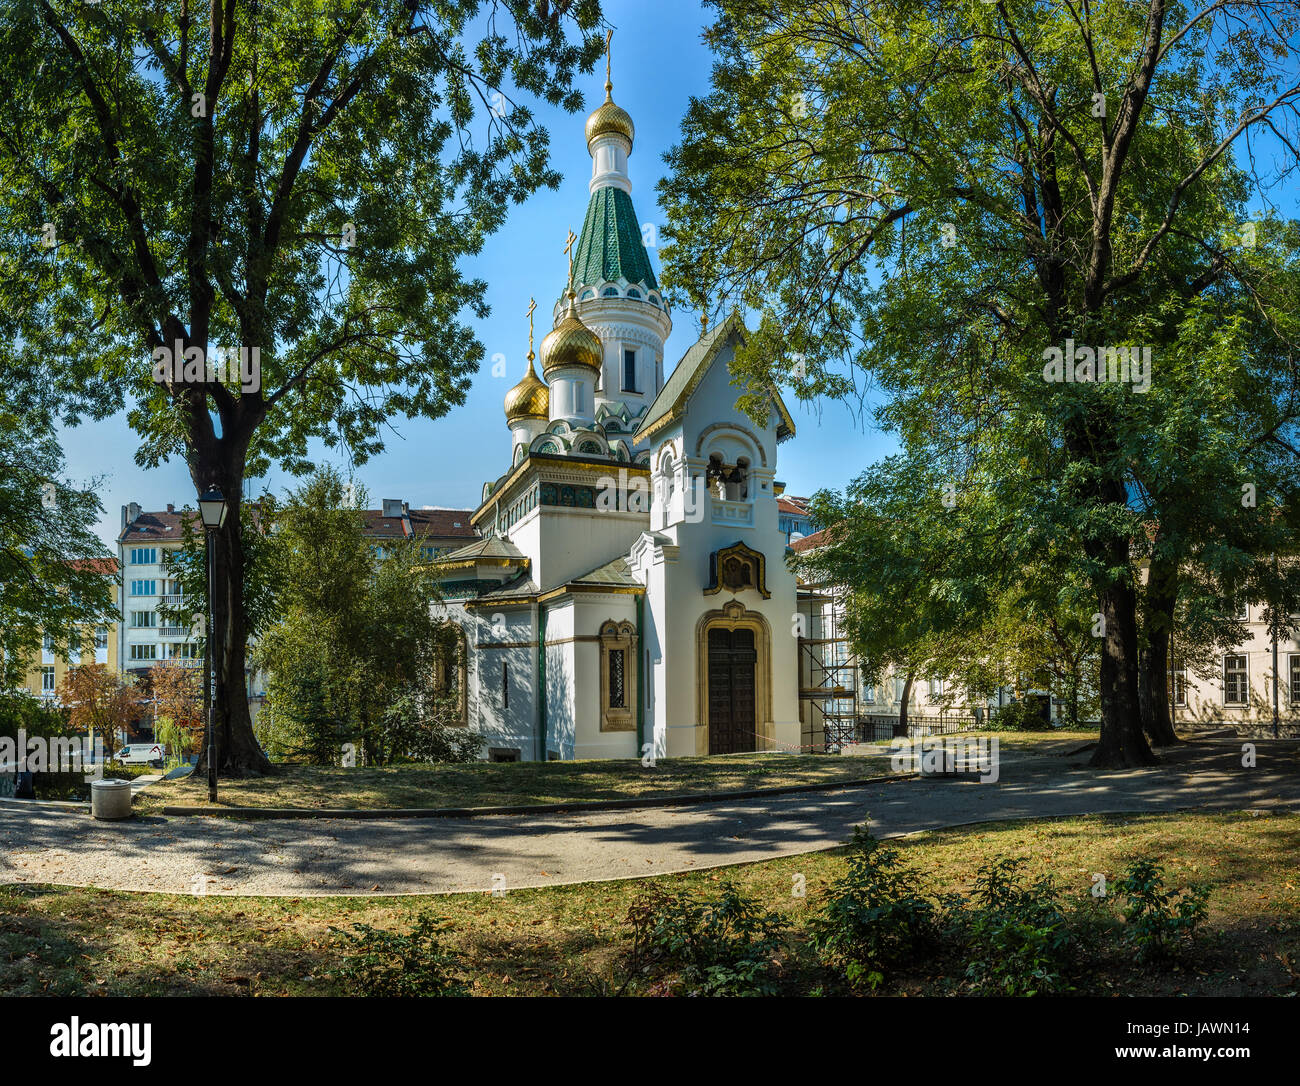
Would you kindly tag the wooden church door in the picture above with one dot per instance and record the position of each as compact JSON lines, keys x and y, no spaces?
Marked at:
{"x":732,"y":660}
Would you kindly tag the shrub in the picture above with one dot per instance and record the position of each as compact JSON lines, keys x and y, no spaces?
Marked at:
{"x":1019,"y":716}
{"x":1018,"y":939}
{"x":1158,"y":919}
{"x":393,"y":963}
{"x":876,"y":915}
{"x":724,"y":947}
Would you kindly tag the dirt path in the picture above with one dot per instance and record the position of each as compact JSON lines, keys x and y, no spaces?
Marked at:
{"x":322,"y":857}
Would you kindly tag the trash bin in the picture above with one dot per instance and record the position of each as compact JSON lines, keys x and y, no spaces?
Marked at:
{"x":110,"y":799}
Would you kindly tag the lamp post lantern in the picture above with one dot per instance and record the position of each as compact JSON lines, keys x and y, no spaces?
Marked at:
{"x":212,"y":509}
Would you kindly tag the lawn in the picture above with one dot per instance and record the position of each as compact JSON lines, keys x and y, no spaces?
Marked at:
{"x":527,"y":784}
{"x":523,"y":784}
{"x":572,"y":940}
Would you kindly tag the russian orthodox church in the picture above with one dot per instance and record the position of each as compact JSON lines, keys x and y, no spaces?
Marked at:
{"x":629,"y":594}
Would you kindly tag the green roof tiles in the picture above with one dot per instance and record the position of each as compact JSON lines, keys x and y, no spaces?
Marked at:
{"x":609,"y":247}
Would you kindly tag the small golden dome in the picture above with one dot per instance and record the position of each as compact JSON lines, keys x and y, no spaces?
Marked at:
{"x":607,"y":118}
{"x":571,"y":343}
{"x":530,"y":399}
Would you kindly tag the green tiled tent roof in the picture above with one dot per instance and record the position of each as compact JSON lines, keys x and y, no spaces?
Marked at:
{"x":609,"y":247}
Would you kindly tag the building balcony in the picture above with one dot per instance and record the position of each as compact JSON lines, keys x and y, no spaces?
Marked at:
{"x":740,"y":514}
{"x":174,"y":631}
{"x":171,"y":601}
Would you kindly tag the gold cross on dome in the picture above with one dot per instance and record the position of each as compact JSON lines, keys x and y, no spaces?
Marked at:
{"x":609,"y":85}
{"x":568,"y":249}
{"x":532,"y":305}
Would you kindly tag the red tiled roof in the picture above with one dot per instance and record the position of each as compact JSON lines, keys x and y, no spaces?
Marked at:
{"x":165,"y":526}
{"x":797,"y":506}
{"x":106,"y":566}
{"x":435,"y":523}
{"x":809,"y":541}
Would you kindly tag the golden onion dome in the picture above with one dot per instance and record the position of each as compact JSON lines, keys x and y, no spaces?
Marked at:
{"x":530,"y":399}
{"x":571,"y":343}
{"x":609,"y":118}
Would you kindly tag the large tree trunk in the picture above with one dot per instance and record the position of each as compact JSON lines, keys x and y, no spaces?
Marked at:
{"x":1122,"y":743}
{"x":1091,"y":442}
{"x":1161,"y":597}
{"x":907,"y":696}
{"x":237,"y":751}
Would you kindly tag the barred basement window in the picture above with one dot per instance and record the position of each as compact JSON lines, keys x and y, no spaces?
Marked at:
{"x":1235,"y":680}
{"x":1179,"y":675}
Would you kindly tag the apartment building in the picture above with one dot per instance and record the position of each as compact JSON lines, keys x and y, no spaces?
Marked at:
{"x":145,"y":637}
{"x":47,"y":671}
{"x":1241,"y":689}
{"x":793,"y":518}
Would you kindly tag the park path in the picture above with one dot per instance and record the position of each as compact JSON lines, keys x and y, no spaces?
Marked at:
{"x":300,"y":858}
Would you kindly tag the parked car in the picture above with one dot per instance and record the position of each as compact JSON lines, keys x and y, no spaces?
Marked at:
{"x":152,"y":754}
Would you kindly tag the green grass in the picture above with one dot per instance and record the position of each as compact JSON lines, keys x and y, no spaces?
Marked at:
{"x":572,"y":940}
{"x":488,"y":784}
{"x":526,"y":784}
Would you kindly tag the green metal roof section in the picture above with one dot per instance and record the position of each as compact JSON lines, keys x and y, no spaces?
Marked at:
{"x":690,"y":371}
{"x":609,"y":247}
{"x":687,"y":374}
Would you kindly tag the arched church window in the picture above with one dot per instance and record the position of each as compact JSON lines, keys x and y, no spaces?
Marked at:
{"x":450,"y":672}
{"x":548,"y":447}
{"x":610,"y":292}
{"x":634,"y":293}
{"x":618,"y":661}
{"x":654,"y":300}
{"x":589,"y":447}
{"x":586,"y":295}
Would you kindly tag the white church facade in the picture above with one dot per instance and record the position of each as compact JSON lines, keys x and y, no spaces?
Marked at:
{"x":630,"y":592}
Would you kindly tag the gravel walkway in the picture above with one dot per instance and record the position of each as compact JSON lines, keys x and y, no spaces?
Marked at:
{"x":299,"y":858}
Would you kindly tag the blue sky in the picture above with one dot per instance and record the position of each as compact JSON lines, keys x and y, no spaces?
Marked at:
{"x":659,"y":62}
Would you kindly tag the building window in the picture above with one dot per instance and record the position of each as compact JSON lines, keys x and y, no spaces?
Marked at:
{"x":144,"y":556}
{"x":144,"y":620}
{"x":503,"y":754}
{"x":618,"y":655}
{"x":143,"y":652}
{"x":629,"y":371}
{"x":505,"y":685}
{"x":1235,"y":680}
{"x":1179,"y":684}
{"x":617,"y":679}
{"x":936,"y":689}
{"x":450,"y":664}
{"x":47,"y":680}
{"x":101,"y":637}
{"x":48,"y":643}
{"x":579,"y":397}
{"x":144,"y":588}
{"x":899,"y":684}
{"x":1295,"y":679}
{"x":869,"y":694}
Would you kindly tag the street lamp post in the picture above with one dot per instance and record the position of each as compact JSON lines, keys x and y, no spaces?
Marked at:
{"x":212,"y":509}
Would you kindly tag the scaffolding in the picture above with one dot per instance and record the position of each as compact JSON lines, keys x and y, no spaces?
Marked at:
{"x":828,"y":675}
